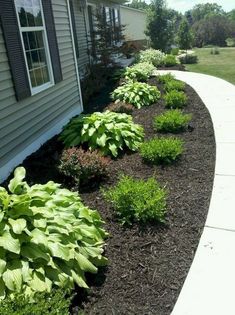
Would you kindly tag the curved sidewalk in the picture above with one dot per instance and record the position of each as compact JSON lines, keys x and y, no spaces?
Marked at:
{"x":209,"y":288}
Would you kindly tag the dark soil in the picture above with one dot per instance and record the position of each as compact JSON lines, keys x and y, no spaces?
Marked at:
{"x":147,"y":264}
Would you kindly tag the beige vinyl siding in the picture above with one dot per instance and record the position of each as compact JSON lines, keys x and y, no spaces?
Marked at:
{"x":82,"y":36}
{"x":22,"y":123}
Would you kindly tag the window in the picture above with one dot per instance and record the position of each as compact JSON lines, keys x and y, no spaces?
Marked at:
{"x":35,"y":44}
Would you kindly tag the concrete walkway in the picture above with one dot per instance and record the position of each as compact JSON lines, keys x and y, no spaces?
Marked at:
{"x":210,"y":285}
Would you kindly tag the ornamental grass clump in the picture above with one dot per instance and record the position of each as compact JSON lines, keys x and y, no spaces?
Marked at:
{"x":153,"y":56}
{"x":108,"y":132}
{"x":161,"y":150}
{"x":175,"y":99}
{"x":165,"y":78}
{"x":137,"y":200}
{"x":172,"y":121}
{"x":48,"y":238}
{"x":83,"y":166}
{"x":138,"y":94}
{"x":138,"y":72}
{"x":170,"y":61}
{"x":174,"y":85}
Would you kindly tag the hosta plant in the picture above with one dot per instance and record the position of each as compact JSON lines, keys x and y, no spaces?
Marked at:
{"x":48,"y":238}
{"x":139,"y":72}
{"x":108,"y":132}
{"x":161,"y":150}
{"x":156,"y":57}
{"x":173,"y":120}
{"x":83,"y":166}
{"x":138,"y":94}
{"x":137,"y":200}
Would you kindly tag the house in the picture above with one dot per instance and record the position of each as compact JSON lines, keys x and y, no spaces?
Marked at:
{"x":44,"y":47}
{"x":135,"y":21}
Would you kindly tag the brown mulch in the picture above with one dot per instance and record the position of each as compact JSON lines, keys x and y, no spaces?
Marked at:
{"x":147,"y":264}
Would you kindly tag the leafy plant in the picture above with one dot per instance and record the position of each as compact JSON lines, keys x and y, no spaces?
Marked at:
{"x":170,"y":61}
{"x":108,"y":132}
{"x":174,"y":51}
{"x":83,"y":166}
{"x":165,"y":78}
{"x":48,"y":238}
{"x":136,"y":93}
{"x":156,"y":57}
{"x":137,"y":200}
{"x":172,"y":121}
{"x":175,"y":99}
{"x":55,"y":303}
{"x":174,"y":85}
{"x":188,"y":59}
{"x":138,"y":72}
{"x":120,"y":107}
{"x":161,"y":150}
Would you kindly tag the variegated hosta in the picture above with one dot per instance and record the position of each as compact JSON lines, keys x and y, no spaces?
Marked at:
{"x":108,"y":132}
{"x":47,"y":238}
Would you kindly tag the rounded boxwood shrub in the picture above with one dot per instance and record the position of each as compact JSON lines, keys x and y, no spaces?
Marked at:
{"x":188,"y":59}
{"x":175,"y":99}
{"x":172,"y":121}
{"x":107,"y":132}
{"x":174,"y":85}
{"x":156,"y":57}
{"x":83,"y":166}
{"x":138,"y":94}
{"x":170,"y":60}
{"x":120,"y":107}
{"x":137,"y":200}
{"x":48,"y":238}
{"x":161,"y":150}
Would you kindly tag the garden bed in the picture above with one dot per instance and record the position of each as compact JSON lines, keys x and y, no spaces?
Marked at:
{"x":147,"y":263}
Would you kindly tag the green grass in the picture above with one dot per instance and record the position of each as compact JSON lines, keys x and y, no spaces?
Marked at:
{"x":221,"y":66}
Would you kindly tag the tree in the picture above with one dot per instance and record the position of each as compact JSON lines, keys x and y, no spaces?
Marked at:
{"x":185,"y":37}
{"x":201,"y":11}
{"x":159,"y":25}
{"x":138,"y":4}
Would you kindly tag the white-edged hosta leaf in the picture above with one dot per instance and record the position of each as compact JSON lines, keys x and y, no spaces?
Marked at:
{"x":8,"y":242}
{"x":12,"y":277}
{"x":18,"y":225}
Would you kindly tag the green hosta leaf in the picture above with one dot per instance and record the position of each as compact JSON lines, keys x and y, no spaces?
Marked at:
{"x":40,"y":283}
{"x":85,"y":264}
{"x":60,"y":251}
{"x":2,"y":266}
{"x":40,"y":223}
{"x":16,"y":183}
{"x":101,"y":141}
{"x":4,"y":199}
{"x":2,"y":290}
{"x":78,"y":277}
{"x":39,"y":237}
{"x":10,"y":243}
{"x":32,"y":252}
{"x":12,"y":277}
{"x":18,"y":225}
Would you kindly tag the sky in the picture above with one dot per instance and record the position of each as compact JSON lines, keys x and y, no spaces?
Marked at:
{"x":184,"y":5}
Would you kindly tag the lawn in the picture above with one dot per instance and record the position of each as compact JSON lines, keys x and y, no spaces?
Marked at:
{"x":222,"y":65}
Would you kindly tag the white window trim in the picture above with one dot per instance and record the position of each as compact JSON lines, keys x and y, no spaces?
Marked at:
{"x":38,"y":89}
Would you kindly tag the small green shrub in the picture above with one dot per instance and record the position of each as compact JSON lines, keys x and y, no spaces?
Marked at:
{"x":48,"y":238}
{"x":161,"y":150}
{"x":165,"y":78}
{"x":172,"y":121}
{"x":83,"y":166}
{"x":174,"y":85}
{"x":137,"y":200}
{"x":136,"y":93}
{"x":175,"y":99}
{"x":120,"y":107}
{"x":175,"y":51}
{"x":230,"y":42}
{"x":170,"y":61}
{"x":139,"y":72}
{"x":188,"y":59}
{"x":55,"y":303}
{"x":107,"y":132}
{"x":156,"y":57}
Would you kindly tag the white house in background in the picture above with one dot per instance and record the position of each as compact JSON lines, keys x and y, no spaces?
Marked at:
{"x":135,"y":22}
